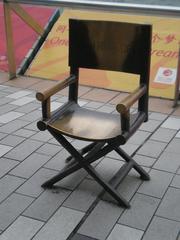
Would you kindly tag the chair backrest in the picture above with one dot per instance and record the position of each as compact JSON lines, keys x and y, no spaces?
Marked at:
{"x":107,"y":45}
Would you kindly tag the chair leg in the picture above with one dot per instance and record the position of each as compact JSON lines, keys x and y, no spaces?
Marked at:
{"x":143,"y":174}
{"x":82,"y":151}
{"x":80,"y":159}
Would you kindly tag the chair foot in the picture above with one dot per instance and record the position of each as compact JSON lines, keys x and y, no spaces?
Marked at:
{"x":145,"y":177}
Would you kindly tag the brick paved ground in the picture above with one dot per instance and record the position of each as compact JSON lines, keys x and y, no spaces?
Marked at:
{"x":73,"y":210}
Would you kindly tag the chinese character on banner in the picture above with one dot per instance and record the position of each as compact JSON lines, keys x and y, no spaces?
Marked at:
{"x":156,"y":38}
{"x":170,"y":38}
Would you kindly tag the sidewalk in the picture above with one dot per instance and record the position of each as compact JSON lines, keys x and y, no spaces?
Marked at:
{"x":73,"y":210}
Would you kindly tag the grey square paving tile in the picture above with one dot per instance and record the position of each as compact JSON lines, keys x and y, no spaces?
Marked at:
{"x":162,"y":229}
{"x":83,"y":196}
{"x":7,"y":108}
{"x":11,"y":140}
{"x":13,"y":126}
{"x":12,"y":207}
{"x":4,"y":149}
{"x":125,"y":233}
{"x":172,"y":123}
{"x":178,"y":135}
{"x":152,"y":148}
{"x":94,"y":105}
{"x":170,"y":205}
{"x":55,"y":105}
{"x":30,"y":165}
{"x":81,"y":237}
{"x":163,"y":135}
{"x":60,"y":225}
{"x":32,"y":126}
{"x":176,"y":181}
{"x":158,"y":184}
{"x":139,"y":137}
{"x":9,"y":184}
{"x":49,"y":149}
{"x":46,"y":204}
{"x":29,"y":107}
{"x":4,"y":100}
{"x":10,"y":116}
{"x":101,"y":220}
{"x":141,"y":211}
{"x":32,"y":116}
{"x":23,"y":150}
{"x":6,"y":165}
{"x":168,"y":161}
{"x":150,"y":126}
{"x":106,"y":109}
{"x":174,"y":146}
{"x":2,"y":135}
{"x":23,"y":101}
{"x":43,"y":136}
{"x":32,"y":187}
{"x":24,"y":133}
{"x":157,"y":116}
{"x":144,"y":160}
{"x":19,"y":94}
{"x":22,"y":229}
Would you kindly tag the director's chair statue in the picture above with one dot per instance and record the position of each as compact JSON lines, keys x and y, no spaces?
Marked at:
{"x":104,"y":45}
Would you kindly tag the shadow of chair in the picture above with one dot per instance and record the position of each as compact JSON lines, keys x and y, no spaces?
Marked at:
{"x":104,"y":45}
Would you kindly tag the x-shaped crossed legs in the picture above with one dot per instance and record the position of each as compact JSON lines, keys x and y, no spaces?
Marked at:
{"x":93,"y":152}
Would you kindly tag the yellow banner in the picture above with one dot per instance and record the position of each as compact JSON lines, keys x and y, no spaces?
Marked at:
{"x":51,"y":60}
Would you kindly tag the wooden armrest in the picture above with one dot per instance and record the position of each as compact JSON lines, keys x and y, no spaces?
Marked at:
{"x":128,"y":101}
{"x":42,"y":96}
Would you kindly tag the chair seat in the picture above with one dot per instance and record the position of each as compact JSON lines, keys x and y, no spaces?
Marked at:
{"x":87,"y":124}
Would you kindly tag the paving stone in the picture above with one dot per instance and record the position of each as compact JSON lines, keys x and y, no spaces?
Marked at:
{"x":173,"y":146}
{"x":11,"y":140}
{"x":125,"y":233}
{"x":60,"y":225}
{"x":106,"y":109}
{"x":32,"y":126}
{"x":158,"y":116}
{"x":22,"y":229}
{"x":94,"y":105}
{"x":172,"y":123}
{"x":82,"y":102}
{"x":139,"y":137}
{"x":144,"y":160}
{"x":23,"y":101}
{"x":49,"y":149}
{"x":152,"y":148}
{"x":83,"y":196}
{"x":24,"y":133}
{"x":30,"y":165}
{"x":150,"y":126}
{"x":2,"y":135}
{"x":81,"y":237}
{"x":7,"y":108}
{"x":10,"y":116}
{"x":19,"y":94}
{"x":32,"y":187}
{"x":9,"y":184}
{"x":101,"y":220}
{"x":168,"y":161}
{"x":163,"y":135}
{"x":162,"y":229}
{"x":6,"y":165}
{"x":4,"y":100}
{"x":23,"y":150}
{"x":170,"y":207}
{"x":29,"y":107}
{"x":4,"y":149}
{"x":178,"y":135}
{"x":32,"y":116}
{"x":13,"y":126}
{"x":141,"y":211}
{"x":176,"y":181}
{"x":12,"y":207}
{"x":158,"y":184}
{"x":46,"y":204}
{"x":43,"y":136}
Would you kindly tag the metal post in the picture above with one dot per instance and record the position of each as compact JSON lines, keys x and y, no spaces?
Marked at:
{"x":177,"y":84}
